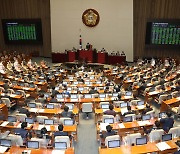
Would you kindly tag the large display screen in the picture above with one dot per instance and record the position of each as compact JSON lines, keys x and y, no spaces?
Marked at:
{"x":22,"y":31}
{"x":163,"y":33}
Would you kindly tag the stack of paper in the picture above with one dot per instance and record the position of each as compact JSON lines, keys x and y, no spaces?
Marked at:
{"x":163,"y":146}
{"x":121,"y":125}
{"x":4,"y":123}
{"x":58,"y":152}
{"x":3,"y":149}
{"x":143,"y":123}
{"x":103,"y":126}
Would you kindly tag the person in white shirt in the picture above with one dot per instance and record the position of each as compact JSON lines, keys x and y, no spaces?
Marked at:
{"x":2,"y":68}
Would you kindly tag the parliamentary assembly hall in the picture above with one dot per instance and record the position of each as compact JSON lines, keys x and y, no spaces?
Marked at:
{"x":90,"y":76}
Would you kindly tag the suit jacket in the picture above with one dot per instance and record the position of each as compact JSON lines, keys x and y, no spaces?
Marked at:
{"x":22,"y":132}
{"x":167,"y":123}
{"x":108,"y":134}
{"x":110,"y":112}
{"x":60,"y":133}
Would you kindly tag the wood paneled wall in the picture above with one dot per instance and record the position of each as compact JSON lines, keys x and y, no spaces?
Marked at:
{"x":153,"y":9}
{"x":10,"y":9}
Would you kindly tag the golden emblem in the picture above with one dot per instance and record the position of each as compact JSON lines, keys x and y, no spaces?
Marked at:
{"x":90,"y":17}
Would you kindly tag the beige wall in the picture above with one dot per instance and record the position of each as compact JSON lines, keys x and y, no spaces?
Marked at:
{"x":114,"y":31}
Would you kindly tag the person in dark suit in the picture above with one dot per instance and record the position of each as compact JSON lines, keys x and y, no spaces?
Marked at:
{"x":6,"y":86}
{"x":41,"y":99}
{"x":60,"y":132}
{"x":54,"y":92}
{"x":109,"y":132}
{"x":67,"y":113}
{"x":21,"y":131}
{"x":53,"y":99}
{"x":110,"y":111}
{"x":157,"y":125}
{"x":147,"y":109}
{"x":93,"y":91}
{"x":129,"y":111}
{"x":167,"y":123}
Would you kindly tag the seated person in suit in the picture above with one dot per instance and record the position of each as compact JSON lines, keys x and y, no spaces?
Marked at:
{"x":41,"y":99}
{"x":147,"y":109}
{"x":44,"y":134}
{"x":167,"y":123}
{"x":110,"y":111}
{"x":21,"y":131}
{"x":53,"y":99}
{"x":109,"y":132}
{"x":156,"y":126}
{"x":6,"y":86}
{"x":60,"y":132}
{"x":93,"y":91}
{"x":67,"y":113}
{"x":129,"y":111}
{"x":54,"y":92}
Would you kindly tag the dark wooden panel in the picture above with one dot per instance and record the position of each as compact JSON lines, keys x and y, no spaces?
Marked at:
{"x":153,"y":9}
{"x":28,"y":9}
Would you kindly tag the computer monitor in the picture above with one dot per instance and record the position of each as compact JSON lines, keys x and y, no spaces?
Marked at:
{"x":87,"y":96}
{"x":109,"y":120}
{"x":48,"y":121}
{"x":139,"y":103}
{"x":146,"y":117}
{"x":60,"y":145}
{"x":29,"y":120}
{"x":59,"y":96}
{"x":128,"y":93}
{"x":5,"y":142}
{"x":91,"y":77}
{"x":68,"y":122}
{"x":18,"y":93}
{"x":50,"y":106}
{"x":141,"y":141}
{"x":115,"y":94}
{"x":33,"y":144}
{"x":166,"y":137}
{"x":162,"y":115}
{"x":127,"y":119}
{"x":102,"y":95}
{"x":105,"y":106}
{"x":32,"y":105}
{"x":74,"y":96}
{"x":123,"y":104}
{"x":98,"y":82}
{"x":31,"y":85}
{"x":81,"y":88}
{"x":114,"y":143}
{"x":12,"y":119}
{"x":71,"y":106}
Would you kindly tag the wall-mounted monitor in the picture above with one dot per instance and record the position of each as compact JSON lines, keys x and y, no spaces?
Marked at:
{"x":22,"y":31}
{"x":163,"y":33}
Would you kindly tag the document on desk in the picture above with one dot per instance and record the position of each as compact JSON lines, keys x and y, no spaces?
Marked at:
{"x":103,"y":126}
{"x":3,"y":149}
{"x":178,"y":98}
{"x":58,"y":151}
{"x":48,"y":127}
{"x":27,"y":151}
{"x":12,"y":95}
{"x":124,"y":110}
{"x":4,"y":123}
{"x":127,"y":97}
{"x":19,"y":125}
{"x":74,"y":99}
{"x":140,"y":107}
{"x":40,"y":127}
{"x":121,"y":125}
{"x":163,"y":146}
{"x":33,"y":110}
{"x":26,"y":88}
{"x":143,"y":123}
{"x":41,"y":110}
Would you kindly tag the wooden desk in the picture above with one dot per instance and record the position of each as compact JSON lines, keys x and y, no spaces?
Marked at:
{"x":3,"y":111}
{"x":174,"y":102}
{"x":18,"y":150}
{"x":147,"y":148}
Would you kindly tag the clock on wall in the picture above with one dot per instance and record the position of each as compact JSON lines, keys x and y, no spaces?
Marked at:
{"x":90,"y":17}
